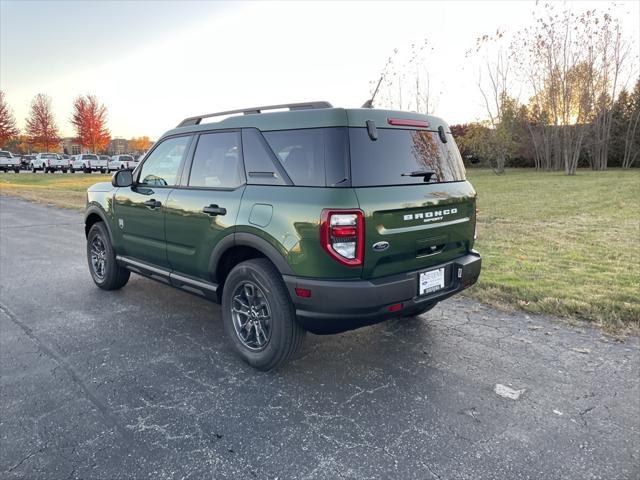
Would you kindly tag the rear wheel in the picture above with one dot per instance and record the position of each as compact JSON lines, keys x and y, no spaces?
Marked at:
{"x":258,"y":315}
{"x":105,"y":271}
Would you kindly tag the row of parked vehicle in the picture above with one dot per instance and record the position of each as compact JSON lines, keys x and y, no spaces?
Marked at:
{"x":52,"y":162}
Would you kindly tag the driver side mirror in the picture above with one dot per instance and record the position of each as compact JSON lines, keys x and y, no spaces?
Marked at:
{"x":122,"y":178}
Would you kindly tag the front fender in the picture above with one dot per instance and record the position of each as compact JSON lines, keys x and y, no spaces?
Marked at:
{"x":95,"y":208}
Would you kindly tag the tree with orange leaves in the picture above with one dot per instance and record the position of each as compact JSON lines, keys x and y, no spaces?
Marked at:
{"x":139,"y":144}
{"x":41,"y":129}
{"x":8,"y":127}
{"x":90,"y":121}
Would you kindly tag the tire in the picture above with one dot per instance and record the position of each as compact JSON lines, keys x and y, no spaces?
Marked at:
{"x":86,"y":170}
{"x":112,"y":276}
{"x":285,"y":334}
{"x":16,"y":170}
{"x":64,"y":170}
{"x":422,"y":310}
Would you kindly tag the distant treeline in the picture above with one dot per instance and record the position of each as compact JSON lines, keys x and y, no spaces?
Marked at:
{"x":531,"y":141}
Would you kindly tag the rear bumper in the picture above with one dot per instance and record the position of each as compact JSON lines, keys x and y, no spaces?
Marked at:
{"x":340,"y":305}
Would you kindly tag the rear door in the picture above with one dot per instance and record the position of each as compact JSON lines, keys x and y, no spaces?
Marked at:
{"x":411,"y":223}
{"x":204,"y":208}
{"x":140,"y":209}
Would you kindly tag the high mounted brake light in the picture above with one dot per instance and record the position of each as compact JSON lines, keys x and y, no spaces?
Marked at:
{"x":342,"y":235}
{"x":407,"y":122}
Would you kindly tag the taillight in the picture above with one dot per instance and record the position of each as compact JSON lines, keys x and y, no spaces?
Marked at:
{"x":342,"y":235}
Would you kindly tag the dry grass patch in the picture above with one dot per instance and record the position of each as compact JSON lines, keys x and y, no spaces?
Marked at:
{"x":59,"y":189}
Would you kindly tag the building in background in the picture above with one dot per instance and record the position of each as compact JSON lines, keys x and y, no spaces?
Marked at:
{"x":118,"y":146}
{"x":70,"y":146}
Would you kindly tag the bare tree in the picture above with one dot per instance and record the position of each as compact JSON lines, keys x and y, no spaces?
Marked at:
{"x":632,"y":134}
{"x":500,"y":107}
{"x":606,"y":53}
{"x":405,"y":81}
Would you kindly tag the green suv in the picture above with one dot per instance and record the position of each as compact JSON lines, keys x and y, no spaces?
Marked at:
{"x":299,"y":217}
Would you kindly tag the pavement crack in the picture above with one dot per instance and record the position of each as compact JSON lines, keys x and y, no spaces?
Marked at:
{"x":75,"y":378}
{"x":583,"y":413}
{"x":24,"y":459}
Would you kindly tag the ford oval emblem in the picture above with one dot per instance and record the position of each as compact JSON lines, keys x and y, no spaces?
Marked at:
{"x":380,"y":246}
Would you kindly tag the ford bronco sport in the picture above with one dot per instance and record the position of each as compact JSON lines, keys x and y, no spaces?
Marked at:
{"x":312,"y":218}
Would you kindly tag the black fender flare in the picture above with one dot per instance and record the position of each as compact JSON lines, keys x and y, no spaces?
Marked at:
{"x":247,"y":240}
{"x":95,"y":209}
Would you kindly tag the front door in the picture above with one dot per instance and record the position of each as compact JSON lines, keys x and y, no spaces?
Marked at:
{"x":204,"y":209}
{"x":140,"y":209}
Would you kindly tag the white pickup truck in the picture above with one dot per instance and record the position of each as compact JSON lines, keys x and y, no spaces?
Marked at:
{"x":122,"y":162}
{"x":49,"y":162}
{"x":89,"y":162}
{"x":9,"y":162}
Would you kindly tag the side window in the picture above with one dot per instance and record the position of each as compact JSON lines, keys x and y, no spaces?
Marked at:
{"x":314,"y":157}
{"x":161,"y":167}
{"x":258,"y":160}
{"x":216,"y":162}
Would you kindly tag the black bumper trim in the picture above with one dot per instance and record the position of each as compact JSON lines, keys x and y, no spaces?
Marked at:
{"x":340,"y":305}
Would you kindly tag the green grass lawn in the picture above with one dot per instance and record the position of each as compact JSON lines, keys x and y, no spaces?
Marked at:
{"x":562,"y":245}
{"x":567,"y":246}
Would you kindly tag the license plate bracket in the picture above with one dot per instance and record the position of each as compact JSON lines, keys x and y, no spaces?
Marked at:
{"x":431,"y":281}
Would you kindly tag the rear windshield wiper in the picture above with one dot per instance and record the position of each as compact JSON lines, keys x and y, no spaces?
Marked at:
{"x":426,"y":174}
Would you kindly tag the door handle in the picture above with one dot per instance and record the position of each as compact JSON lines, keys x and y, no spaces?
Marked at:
{"x":153,"y":203}
{"x":214,"y":210}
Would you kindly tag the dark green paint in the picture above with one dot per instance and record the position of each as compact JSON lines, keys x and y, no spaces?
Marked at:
{"x":180,"y":237}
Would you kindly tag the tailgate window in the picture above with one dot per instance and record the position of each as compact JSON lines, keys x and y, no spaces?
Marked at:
{"x":401,"y":151}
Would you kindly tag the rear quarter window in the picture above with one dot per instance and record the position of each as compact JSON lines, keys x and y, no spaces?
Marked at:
{"x":402,"y":151}
{"x":313,"y":157}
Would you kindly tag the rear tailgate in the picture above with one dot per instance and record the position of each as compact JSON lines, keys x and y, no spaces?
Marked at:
{"x":58,"y":162}
{"x":423,"y":225}
{"x":410,"y":183}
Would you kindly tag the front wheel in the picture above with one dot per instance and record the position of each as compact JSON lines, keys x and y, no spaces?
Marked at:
{"x":105,"y":271}
{"x":258,"y":315}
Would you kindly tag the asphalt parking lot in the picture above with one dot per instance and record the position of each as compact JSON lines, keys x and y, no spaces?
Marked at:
{"x":140,"y":383}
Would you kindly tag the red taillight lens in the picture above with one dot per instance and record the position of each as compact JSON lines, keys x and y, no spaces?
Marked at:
{"x":303,"y":292}
{"x":395,"y":307}
{"x":342,"y":235}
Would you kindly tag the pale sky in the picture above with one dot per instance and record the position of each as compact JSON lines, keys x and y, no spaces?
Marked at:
{"x":154,"y":63}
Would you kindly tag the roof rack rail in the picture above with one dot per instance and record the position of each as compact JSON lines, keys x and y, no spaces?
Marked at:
{"x":248,"y":111}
